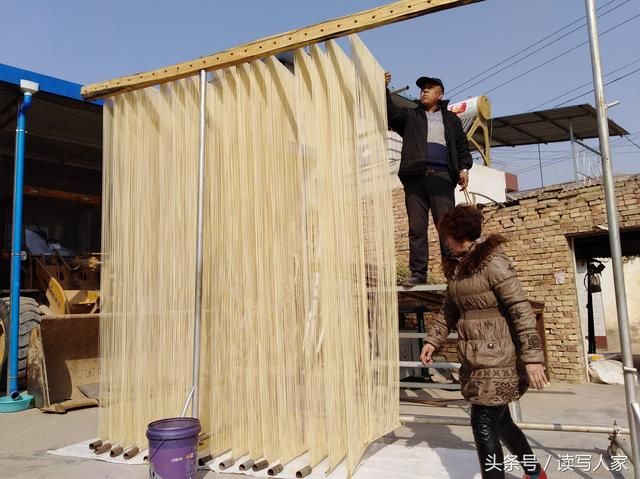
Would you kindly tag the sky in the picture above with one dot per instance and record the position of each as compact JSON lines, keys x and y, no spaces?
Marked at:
{"x":86,"y":42}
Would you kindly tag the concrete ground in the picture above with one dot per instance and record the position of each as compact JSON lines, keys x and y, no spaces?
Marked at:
{"x":26,"y":436}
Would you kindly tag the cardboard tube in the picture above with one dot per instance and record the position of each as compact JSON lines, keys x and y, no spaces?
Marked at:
{"x":95,"y":444}
{"x":275,"y":470}
{"x":260,"y":465}
{"x":304,"y":472}
{"x":131,"y":453}
{"x":104,"y":447}
{"x":202,"y":461}
{"x":227,"y":463}
{"x":246,"y":465}
{"x":116,"y":451}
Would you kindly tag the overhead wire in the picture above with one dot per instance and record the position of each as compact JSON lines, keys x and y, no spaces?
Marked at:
{"x":584,"y":85}
{"x":457,"y":87}
{"x":511,"y":80}
{"x":605,"y":84}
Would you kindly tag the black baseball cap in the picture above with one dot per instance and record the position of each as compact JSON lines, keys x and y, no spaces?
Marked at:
{"x":420,"y":82}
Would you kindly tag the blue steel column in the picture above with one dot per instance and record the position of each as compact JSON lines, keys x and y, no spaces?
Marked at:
{"x":14,"y":401}
{"x":16,"y":246}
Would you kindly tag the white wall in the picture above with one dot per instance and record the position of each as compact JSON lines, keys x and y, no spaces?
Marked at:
{"x":605,"y":312}
{"x":631,"y":269}
{"x":484,"y":180}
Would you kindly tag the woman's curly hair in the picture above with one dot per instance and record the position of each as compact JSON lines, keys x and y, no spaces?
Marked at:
{"x":461,"y":223}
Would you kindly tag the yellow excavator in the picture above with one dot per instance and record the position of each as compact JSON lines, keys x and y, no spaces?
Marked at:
{"x":63,"y":367}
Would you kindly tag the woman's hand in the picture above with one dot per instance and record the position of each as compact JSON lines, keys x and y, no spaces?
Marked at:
{"x":427,"y":351}
{"x":537,"y":377}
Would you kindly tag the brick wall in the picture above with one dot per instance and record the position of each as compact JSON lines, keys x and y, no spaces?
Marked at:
{"x":539,"y":229}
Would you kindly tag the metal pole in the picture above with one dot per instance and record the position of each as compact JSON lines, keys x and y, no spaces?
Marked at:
{"x":531,"y":426}
{"x":591,"y":328}
{"x":195,"y":405}
{"x":623,"y":445}
{"x":540,"y":163}
{"x":28,"y":89}
{"x":630,"y":372}
{"x":584,"y":145}
{"x":16,"y":248}
{"x":574,"y":153}
{"x":186,"y":403}
{"x":516,"y":411}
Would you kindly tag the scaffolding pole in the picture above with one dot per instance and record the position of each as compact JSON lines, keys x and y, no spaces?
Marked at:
{"x":630,"y":372}
{"x":574,"y":152}
{"x":530,"y":426}
{"x":197,"y":320}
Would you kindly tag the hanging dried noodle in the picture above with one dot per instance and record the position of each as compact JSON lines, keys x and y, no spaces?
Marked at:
{"x":300,"y":347}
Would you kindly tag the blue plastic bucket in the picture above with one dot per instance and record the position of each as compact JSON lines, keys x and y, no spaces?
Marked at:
{"x":173,"y":447}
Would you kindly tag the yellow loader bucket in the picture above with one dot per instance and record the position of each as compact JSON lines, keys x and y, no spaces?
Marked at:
{"x":64,"y":361}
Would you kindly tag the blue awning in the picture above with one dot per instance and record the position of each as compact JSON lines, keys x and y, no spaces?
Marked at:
{"x":55,"y":86}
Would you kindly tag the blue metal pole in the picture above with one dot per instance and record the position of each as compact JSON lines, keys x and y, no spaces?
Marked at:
{"x":16,"y":247}
{"x":14,"y":402}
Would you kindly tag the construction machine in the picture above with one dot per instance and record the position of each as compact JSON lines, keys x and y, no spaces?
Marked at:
{"x":58,"y":356}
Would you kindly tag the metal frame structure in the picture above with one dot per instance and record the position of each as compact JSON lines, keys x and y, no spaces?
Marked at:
{"x":195,"y":411}
{"x":361,"y":21}
{"x":630,"y":373}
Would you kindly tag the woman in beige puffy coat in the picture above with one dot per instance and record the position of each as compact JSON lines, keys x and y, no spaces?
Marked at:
{"x":499,"y":348}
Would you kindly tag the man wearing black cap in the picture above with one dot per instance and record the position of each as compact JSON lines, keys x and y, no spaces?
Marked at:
{"x":435,"y":157}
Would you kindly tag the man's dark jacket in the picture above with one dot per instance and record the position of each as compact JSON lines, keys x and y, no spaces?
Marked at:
{"x":411,"y":125}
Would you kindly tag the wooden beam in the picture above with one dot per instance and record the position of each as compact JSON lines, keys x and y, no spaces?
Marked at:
{"x":37,"y":192}
{"x":358,"y":22}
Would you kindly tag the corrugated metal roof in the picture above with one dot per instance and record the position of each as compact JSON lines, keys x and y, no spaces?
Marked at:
{"x":549,"y":126}
{"x":545,"y":126}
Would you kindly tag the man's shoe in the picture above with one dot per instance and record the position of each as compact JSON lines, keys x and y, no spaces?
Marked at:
{"x":414,"y":280}
{"x":542,"y":475}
